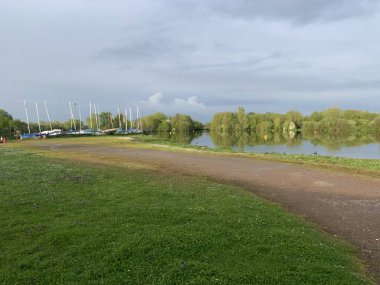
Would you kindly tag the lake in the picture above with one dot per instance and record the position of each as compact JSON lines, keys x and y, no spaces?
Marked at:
{"x":354,"y":146}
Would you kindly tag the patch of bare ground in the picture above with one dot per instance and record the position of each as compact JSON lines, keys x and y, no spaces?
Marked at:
{"x":342,"y":204}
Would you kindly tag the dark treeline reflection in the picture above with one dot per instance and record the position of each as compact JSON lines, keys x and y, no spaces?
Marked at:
{"x":331,"y":142}
{"x":179,"y":137}
{"x":336,"y":142}
{"x":242,"y":139}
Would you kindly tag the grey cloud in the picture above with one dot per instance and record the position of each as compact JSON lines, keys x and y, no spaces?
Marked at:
{"x":251,"y":62}
{"x":147,"y":49}
{"x":213,"y":49}
{"x":295,"y":11}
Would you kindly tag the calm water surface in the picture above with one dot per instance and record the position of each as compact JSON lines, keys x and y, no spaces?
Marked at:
{"x":354,"y":146}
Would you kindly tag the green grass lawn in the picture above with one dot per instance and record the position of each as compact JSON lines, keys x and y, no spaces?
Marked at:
{"x":65,"y":223}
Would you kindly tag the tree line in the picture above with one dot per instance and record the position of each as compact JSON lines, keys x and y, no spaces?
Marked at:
{"x":105,"y":120}
{"x":333,"y":121}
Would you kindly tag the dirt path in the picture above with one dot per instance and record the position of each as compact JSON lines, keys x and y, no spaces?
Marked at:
{"x":342,"y":204}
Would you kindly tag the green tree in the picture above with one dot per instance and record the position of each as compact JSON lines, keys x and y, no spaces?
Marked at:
{"x":182,"y":123}
{"x":106,"y":120}
{"x":242,"y":121}
{"x":295,"y":117}
{"x":5,"y":119}
{"x":277,"y":122}
{"x":156,"y":122}
{"x":19,"y":127}
{"x":316,"y":116}
{"x":309,"y":127}
{"x":333,"y":113}
{"x":264,"y":127}
{"x":375,"y":125}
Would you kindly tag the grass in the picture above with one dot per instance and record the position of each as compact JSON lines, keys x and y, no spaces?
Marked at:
{"x":64,"y":222}
{"x":355,"y":165}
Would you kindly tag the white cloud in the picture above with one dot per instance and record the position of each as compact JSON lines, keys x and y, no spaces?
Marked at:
{"x":155,"y":99}
{"x":189,"y":105}
{"x":189,"y":102}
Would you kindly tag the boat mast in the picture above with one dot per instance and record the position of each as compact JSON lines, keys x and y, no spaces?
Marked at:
{"x":90,"y":115}
{"x":137,"y":118}
{"x":99,"y":116}
{"x":141,"y":126}
{"x":118,"y":110}
{"x":96,"y":117}
{"x":72,"y":116}
{"x":27,"y":118}
{"x":126,"y":119}
{"x":75,"y":115}
{"x":80,"y":119}
{"x":111,"y":120}
{"x":47,"y":113}
{"x":130,"y":117}
{"x":38,"y":118}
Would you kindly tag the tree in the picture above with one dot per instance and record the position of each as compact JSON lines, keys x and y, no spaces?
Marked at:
{"x":309,"y":127}
{"x":316,"y":116}
{"x":375,"y":125}
{"x":253,"y":120}
{"x":19,"y":127}
{"x":106,"y":121}
{"x":295,"y":117}
{"x":182,"y":123}
{"x":277,"y":122}
{"x":156,"y":122}
{"x":333,"y":113}
{"x":264,"y":127}
{"x":5,"y":119}
{"x":242,"y":120}
{"x":228,"y":121}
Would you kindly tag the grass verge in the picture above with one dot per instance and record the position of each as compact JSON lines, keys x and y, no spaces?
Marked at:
{"x":64,"y":222}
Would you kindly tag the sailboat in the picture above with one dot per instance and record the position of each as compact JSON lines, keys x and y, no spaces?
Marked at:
{"x":29,"y":135}
{"x":52,"y":132}
{"x":40,"y":133}
{"x":73,"y":121}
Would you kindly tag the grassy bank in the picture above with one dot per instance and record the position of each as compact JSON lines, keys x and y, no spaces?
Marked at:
{"x":359,"y":166}
{"x":64,"y":222}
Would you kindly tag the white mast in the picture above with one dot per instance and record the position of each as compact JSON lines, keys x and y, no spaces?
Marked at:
{"x":137,"y":118}
{"x":126,"y":119}
{"x":47,"y":113}
{"x":99,"y":116}
{"x":75,"y":115}
{"x":80,"y":119}
{"x":118,"y":110}
{"x":27,"y":118}
{"x":141,"y":126}
{"x":96,"y":118}
{"x":38,"y":118}
{"x":72,"y":116}
{"x":90,"y":115}
{"x":130,"y":117}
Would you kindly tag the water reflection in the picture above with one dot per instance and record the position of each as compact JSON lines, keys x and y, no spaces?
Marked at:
{"x":240,"y":140}
{"x":337,"y":142}
{"x":243,"y":139}
{"x":179,"y":137}
{"x":349,"y":145}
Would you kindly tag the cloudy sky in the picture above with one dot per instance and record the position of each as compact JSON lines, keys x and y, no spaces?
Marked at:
{"x":190,"y":56}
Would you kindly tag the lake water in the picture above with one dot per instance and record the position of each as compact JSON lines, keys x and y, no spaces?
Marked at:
{"x":353,"y":146}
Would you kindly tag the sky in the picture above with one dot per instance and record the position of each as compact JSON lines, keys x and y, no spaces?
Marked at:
{"x":196,"y":57}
